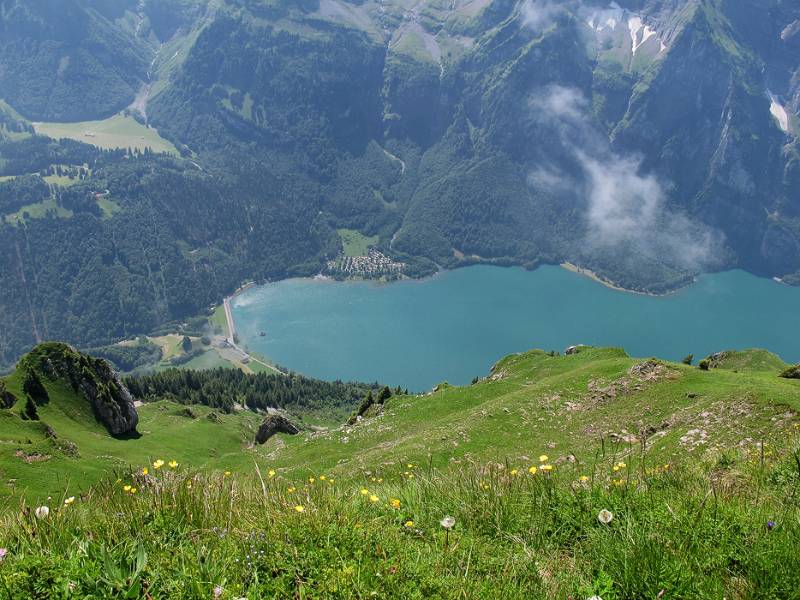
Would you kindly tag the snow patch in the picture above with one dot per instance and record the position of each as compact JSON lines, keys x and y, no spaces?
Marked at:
{"x":606,"y":21}
{"x":779,"y":112}
{"x":640,"y":33}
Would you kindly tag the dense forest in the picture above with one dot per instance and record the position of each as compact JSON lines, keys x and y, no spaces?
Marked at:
{"x":177,"y":240}
{"x":222,"y":388}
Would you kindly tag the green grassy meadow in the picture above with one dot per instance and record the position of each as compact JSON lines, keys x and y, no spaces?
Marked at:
{"x":118,"y":131}
{"x":355,"y":243}
{"x":208,"y":360}
{"x":218,"y":321}
{"x":38,"y":210}
{"x":700,"y":470}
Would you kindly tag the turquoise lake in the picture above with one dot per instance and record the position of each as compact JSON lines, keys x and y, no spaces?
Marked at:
{"x":455,"y":325}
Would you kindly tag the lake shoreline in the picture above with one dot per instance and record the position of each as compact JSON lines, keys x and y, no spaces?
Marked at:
{"x":573,"y":268}
{"x":452,"y":325}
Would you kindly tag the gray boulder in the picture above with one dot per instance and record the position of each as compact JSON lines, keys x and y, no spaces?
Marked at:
{"x":275,"y":424}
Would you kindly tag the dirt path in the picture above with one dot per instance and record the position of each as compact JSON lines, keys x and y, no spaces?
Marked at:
{"x":395,"y":158}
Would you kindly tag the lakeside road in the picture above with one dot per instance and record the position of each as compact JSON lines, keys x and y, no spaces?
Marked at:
{"x":232,"y":337}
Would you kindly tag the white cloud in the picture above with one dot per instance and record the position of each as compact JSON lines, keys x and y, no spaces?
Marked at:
{"x":541,"y":14}
{"x":559,"y":103}
{"x":623,"y":205}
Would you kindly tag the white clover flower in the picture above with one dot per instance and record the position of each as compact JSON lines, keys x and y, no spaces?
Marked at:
{"x":605,"y":516}
{"x":448,"y":522}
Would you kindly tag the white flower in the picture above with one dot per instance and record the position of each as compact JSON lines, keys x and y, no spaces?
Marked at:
{"x":218,"y":591}
{"x":605,"y":516}
{"x":448,"y":522}
{"x":594,"y":598}
{"x":42,"y":512}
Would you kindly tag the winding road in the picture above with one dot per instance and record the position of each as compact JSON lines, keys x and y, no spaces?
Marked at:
{"x":231,"y":339}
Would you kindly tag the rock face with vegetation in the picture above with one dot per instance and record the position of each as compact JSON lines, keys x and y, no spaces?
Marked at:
{"x":90,"y":378}
{"x":275,"y":424}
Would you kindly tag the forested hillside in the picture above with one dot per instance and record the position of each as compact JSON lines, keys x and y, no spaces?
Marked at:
{"x":226,"y":389}
{"x":647,"y":141}
{"x":145,"y":240}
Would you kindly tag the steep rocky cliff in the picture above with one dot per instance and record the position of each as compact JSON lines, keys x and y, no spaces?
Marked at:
{"x":92,"y":379}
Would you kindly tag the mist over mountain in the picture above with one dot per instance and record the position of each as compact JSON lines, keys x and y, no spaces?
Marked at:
{"x":646,"y":140}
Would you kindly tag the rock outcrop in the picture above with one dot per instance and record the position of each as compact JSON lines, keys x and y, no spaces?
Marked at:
{"x":91,"y":378}
{"x":275,"y":424}
{"x":792,"y":372}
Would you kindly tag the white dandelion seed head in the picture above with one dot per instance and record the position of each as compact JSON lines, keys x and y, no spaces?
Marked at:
{"x":448,"y":522}
{"x":605,"y":516}
{"x":42,"y":512}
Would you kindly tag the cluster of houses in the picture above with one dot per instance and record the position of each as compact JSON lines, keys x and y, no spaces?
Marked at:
{"x":374,"y":264}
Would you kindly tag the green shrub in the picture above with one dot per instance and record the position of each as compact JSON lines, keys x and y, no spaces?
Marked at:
{"x":791,"y":372}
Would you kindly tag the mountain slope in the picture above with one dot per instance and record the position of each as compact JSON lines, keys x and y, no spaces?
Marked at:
{"x":647,"y":141}
{"x":530,"y":403}
{"x":564,"y":406}
{"x":70,"y":61}
{"x":592,"y":473}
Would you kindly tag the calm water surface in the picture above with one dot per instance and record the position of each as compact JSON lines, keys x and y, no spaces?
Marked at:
{"x":456,"y":325}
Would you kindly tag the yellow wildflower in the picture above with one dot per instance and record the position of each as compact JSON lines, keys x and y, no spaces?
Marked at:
{"x":410,"y":466}
{"x":299,"y":508}
{"x":584,"y":478}
{"x":532,"y":470}
{"x":621,"y":465}
{"x":158,"y":464}
{"x":291,"y":490}
{"x":310,"y":480}
{"x":322,"y":478}
{"x":395,"y":503}
{"x":173,"y":464}
{"x":514,"y":472}
{"x":373,"y":498}
{"x":410,"y":476}
{"x":543,"y":458}
{"x":126,"y":488}
{"x":330,"y":481}
{"x":226,"y":474}
{"x":615,"y":468}
{"x":373,"y":479}
{"x":547,"y":467}
{"x":133,"y":490}
{"x":145,"y":471}
{"x":69,"y":500}
{"x":409,"y":523}
{"x":364,"y":491}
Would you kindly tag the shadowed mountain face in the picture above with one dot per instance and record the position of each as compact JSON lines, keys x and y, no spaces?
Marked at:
{"x":646,"y":140}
